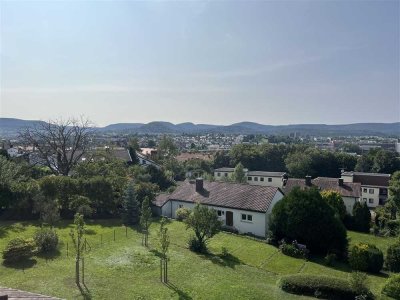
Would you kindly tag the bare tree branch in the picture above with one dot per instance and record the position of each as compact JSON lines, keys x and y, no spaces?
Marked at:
{"x":60,"y":144}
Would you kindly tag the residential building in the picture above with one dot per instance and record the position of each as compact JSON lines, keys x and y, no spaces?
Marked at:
{"x":374,"y":186}
{"x":145,"y":161}
{"x":274,"y":179}
{"x":240,"y":207}
{"x":350,"y":191}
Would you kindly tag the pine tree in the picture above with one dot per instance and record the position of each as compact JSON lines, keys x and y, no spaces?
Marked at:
{"x":130,"y":213}
{"x":361,"y":217}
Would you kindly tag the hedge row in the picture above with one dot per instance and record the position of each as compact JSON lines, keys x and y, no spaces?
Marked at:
{"x":318,"y":286}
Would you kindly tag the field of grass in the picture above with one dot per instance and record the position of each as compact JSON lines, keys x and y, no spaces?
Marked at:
{"x":124,"y":269}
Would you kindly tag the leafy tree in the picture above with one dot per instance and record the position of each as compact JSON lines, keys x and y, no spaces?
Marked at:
{"x":361,"y":217}
{"x":81,"y":204}
{"x":146,"y":190}
{"x":239,"y":175}
{"x":394,"y":189}
{"x":158,"y":177}
{"x":77,"y":236}
{"x":393,"y":257}
{"x":336,"y":202}
{"x":145,"y":220}
{"x":4,"y":153}
{"x":47,"y":208}
{"x":221,"y":159}
{"x":167,"y":148}
{"x":364,"y":164}
{"x":130,"y":213}
{"x":133,"y":144}
{"x":133,"y":155}
{"x":164,"y":246}
{"x":386,"y":162}
{"x":303,"y":215}
{"x":205,"y":224}
{"x":351,"y":148}
{"x":151,"y":144}
{"x":299,"y":164}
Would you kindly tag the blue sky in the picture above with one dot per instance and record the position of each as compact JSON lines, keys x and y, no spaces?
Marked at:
{"x":275,"y":62}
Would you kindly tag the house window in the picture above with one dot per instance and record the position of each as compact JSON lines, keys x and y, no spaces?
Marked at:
{"x":269,"y":179}
{"x":219,"y":174}
{"x":180,"y":206}
{"x":371,"y":200}
{"x":249,"y":178}
{"x":255,"y":178}
{"x":219,"y":212}
{"x":226,"y":174}
{"x":261,"y":178}
{"x":365,"y":190}
{"x":247,"y":218}
{"x":371,"y":191}
{"x":144,"y":162}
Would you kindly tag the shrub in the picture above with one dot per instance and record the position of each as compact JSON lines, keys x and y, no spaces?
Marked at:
{"x":358,"y":283}
{"x":304,"y":216}
{"x":324,"y":286}
{"x":293,"y":249}
{"x":18,"y":249}
{"x":182,"y":213}
{"x":393,"y":257}
{"x":392,"y":287}
{"x":393,"y":227}
{"x":224,"y":252}
{"x":361,"y":217}
{"x":46,"y":240}
{"x":366,"y":258}
{"x":330,"y":258}
{"x":196,"y":246}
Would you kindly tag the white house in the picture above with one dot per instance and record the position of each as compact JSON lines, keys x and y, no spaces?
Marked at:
{"x":241,"y":207}
{"x":145,"y":161}
{"x":374,"y":186}
{"x":262,"y":178}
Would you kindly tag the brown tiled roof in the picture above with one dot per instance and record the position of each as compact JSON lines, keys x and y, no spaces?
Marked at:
{"x":17,"y":294}
{"x":223,"y":194}
{"x":373,"y":179}
{"x":188,"y":156}
{"x":325,"y":183}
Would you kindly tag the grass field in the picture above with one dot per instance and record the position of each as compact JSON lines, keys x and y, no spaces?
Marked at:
{"x":124,"y":269}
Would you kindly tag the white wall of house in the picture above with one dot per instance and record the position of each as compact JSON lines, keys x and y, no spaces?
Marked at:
{"x":347,"y":178}
{"x":370,"y":195}
{"x":222,"y":175}
{"x":265,"y":181}
{"x":258,"y":225}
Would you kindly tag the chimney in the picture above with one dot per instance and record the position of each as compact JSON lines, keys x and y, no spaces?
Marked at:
{"x":308,"y":180}
{"x":340,"y":181}
{"x":199,"y":185}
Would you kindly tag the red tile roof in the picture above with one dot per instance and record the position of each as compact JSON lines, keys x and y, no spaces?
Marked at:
{"x":326,"y":183}
{"x":223,"y":194}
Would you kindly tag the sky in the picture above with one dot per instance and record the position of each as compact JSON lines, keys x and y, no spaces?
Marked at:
{"x":219,"y":62}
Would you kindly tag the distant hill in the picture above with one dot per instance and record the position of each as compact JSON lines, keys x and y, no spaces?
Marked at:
{"x":10,"y":127}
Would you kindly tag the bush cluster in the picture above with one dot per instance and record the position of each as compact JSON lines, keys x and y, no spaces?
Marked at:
{"x":366,"y":258}
{"x":46,"y":240}
{"x":393,"y":258}
{"x":196,"y":246}
{"x":182,"y":213}
{"x":19,"y":249}
{"x":294,"y":249}
{"x":392,"y":287}
{"x":321,"y":286}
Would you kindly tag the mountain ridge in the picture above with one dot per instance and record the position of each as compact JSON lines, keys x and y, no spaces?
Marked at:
{"x":11,"y":126}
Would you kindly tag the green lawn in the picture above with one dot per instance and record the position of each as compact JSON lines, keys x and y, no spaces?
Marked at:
{"x":123,"y":269}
